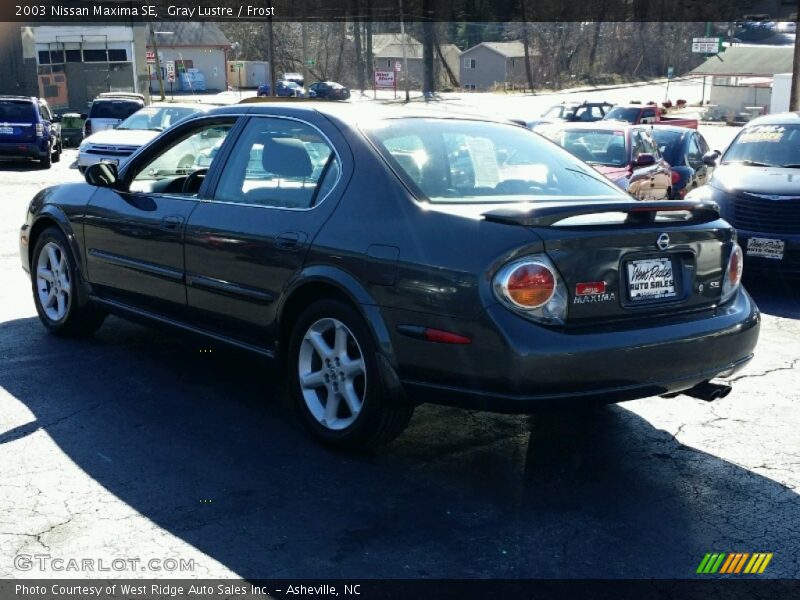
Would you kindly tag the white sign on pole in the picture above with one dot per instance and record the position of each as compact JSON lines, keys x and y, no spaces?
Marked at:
{"x":151,"y":57}
{"x":384,"y":79}
{"x":709,"y":45}
{"x":398,"y":66}
{"x":170,"y":71}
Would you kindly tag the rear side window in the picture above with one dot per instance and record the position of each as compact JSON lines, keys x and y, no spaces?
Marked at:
{"x":279,"y":163}
{"x":113,"y":109}
{"x":459,"y":160}
{"x":17,"y":112}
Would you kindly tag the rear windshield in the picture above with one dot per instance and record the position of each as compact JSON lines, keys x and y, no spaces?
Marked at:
{"x":771,"y":145}
{"x":623,"y":114}
{"x":669,"y":143}
{"x":12,"y":111}
{"x":113,"y":109}
{"x":463,"y":161}
{"x":594,"y":146}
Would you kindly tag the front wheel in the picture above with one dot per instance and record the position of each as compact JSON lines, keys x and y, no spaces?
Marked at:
{"x":335,"y":381}
{"x":54,"y":280}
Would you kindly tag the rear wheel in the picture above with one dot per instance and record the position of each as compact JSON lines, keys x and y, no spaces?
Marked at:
{"x":57,"y":153}
{"x":47,"y":160}
{"x":335,"y":381}
{"x":55,"y":283}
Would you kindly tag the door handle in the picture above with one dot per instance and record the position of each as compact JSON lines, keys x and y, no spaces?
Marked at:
{"x":290,"y":240}
{"x":171,"y":222}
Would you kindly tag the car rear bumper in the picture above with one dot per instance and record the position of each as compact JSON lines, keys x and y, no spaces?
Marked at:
{"x":526,"y":367}
{"x":23,"y":149}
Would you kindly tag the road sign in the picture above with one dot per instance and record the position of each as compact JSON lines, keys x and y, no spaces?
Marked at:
{"x":384,"y":79}
{"x":238,"y":65}
{"x":706,"y":45}
{"x":151,"y":57}
{"x":311,"y":62}
{"x":670,"y":72}
{"x":170,"y":66}
{"x":398,"y":66}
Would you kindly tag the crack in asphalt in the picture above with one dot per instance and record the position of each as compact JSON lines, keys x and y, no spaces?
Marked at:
{"x":764,"y":373}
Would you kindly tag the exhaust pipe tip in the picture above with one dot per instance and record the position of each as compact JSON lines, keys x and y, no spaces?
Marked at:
{"x":709,"y":391}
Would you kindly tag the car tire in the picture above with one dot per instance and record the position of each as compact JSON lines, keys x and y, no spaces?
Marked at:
{"x":47,"y":160}
{"x":333,"y":346}
{"x":57,"y":153}
{"x":55,"y":282}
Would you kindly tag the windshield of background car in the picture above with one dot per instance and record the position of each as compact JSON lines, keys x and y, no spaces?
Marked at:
{"x":623,"y":114}
{"x":594,"y":146}
{"x":113,"y":109}
{"x":157,"y":118}
{"x":12,"y":111}
{"x":669,"y":143}
{"x":457,"y":161}
{"x":770,"y":145}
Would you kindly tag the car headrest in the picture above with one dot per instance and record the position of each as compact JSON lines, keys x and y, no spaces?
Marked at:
{"x":286,"y":157}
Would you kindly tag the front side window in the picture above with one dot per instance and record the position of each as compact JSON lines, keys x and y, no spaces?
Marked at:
{"x":193,"y":152}
{"x":279,"y":163}
{"x":457,"y":161}
{"x":595,"y":146}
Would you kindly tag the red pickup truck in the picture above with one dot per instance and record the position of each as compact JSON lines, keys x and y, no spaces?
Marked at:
{"x":646,"y":115}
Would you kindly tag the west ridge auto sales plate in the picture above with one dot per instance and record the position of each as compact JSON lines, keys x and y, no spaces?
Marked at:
{"x":765,"y":248}
{"x":650,"y":279}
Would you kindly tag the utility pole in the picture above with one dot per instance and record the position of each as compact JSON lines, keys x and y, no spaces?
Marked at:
{"x":794,"y":102}
{"x":158,"y":63}
{"x":405,"y":54}
{"x":304,"y":42}
{"x":271,"y":57}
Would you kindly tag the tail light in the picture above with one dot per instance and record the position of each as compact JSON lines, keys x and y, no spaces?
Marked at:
{"x":39,"y":130}
{"x":87,"y":128}
{"x":733,"y":273}
{"x":676,"y":177}
{"x":532,"y":287}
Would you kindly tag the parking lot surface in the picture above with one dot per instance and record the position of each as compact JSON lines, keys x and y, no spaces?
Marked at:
{"x":137,"y":444}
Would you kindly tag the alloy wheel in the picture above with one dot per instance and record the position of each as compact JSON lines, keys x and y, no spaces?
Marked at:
{"x":332,"y":374}
{"x":53,"y":282}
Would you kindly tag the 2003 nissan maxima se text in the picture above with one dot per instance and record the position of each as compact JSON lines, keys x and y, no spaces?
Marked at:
{"x":386,"y":261}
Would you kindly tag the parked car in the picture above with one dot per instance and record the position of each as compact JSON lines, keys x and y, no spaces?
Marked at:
{"x":373,"y":303}
{"x":571,"y":112}
{"x":118,"y":144}
{"x":109,"y":110}
{"x":71,"y":129}
{"x":684,"y":150}
{"x":329,"y":90}
{"x":757,"y":186}
{"x":294,"y":77}
{"x":626,"y":154}
{"x":284,"y":89}
{"x":28,"y":129}
{"x":636,"y":114}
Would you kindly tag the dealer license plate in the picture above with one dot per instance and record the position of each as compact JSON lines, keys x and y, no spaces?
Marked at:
{"x":765,"y":248}
{"x":650,"y":279}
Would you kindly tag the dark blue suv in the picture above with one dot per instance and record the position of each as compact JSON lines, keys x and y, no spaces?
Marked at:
{"x":29,"y":130}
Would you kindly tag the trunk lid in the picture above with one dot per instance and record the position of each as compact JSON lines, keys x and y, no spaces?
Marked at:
{"x":627,"y":260}
{"x":18,"y":120}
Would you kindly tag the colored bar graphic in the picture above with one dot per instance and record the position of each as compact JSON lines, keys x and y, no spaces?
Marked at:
{"x":766,"y":562}
{"x":734,"y":563}
{"x":702,"y":567}
{"x":717,"y":564}
{"x":727,"y":564}
{"x":741,"y":562}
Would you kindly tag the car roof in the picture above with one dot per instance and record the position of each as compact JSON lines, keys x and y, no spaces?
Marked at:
{"x":599,"y":126}
{"x":673,"y":129}
{"x":198,"y":105}
{"x":346,"y":111}
{"x":19,"y":98}
{"x":787,"y":118}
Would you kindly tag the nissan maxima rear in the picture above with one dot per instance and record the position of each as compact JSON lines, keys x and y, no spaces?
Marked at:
{"x":386,"y":261}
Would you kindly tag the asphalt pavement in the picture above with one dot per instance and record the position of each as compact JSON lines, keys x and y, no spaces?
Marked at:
{"x":137,"y":444}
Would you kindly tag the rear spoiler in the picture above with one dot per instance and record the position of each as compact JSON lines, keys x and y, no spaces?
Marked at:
{"x":638,"y":212}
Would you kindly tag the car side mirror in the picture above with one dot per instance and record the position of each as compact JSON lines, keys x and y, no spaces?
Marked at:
{"x":56,"y":118}
{"x":710,"y":158}
{"x":102,"y":174}
{"x":84,"y":116}
{"x":644,"y":160}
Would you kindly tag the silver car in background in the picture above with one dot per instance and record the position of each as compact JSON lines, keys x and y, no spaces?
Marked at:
{"x":116,"y":145}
